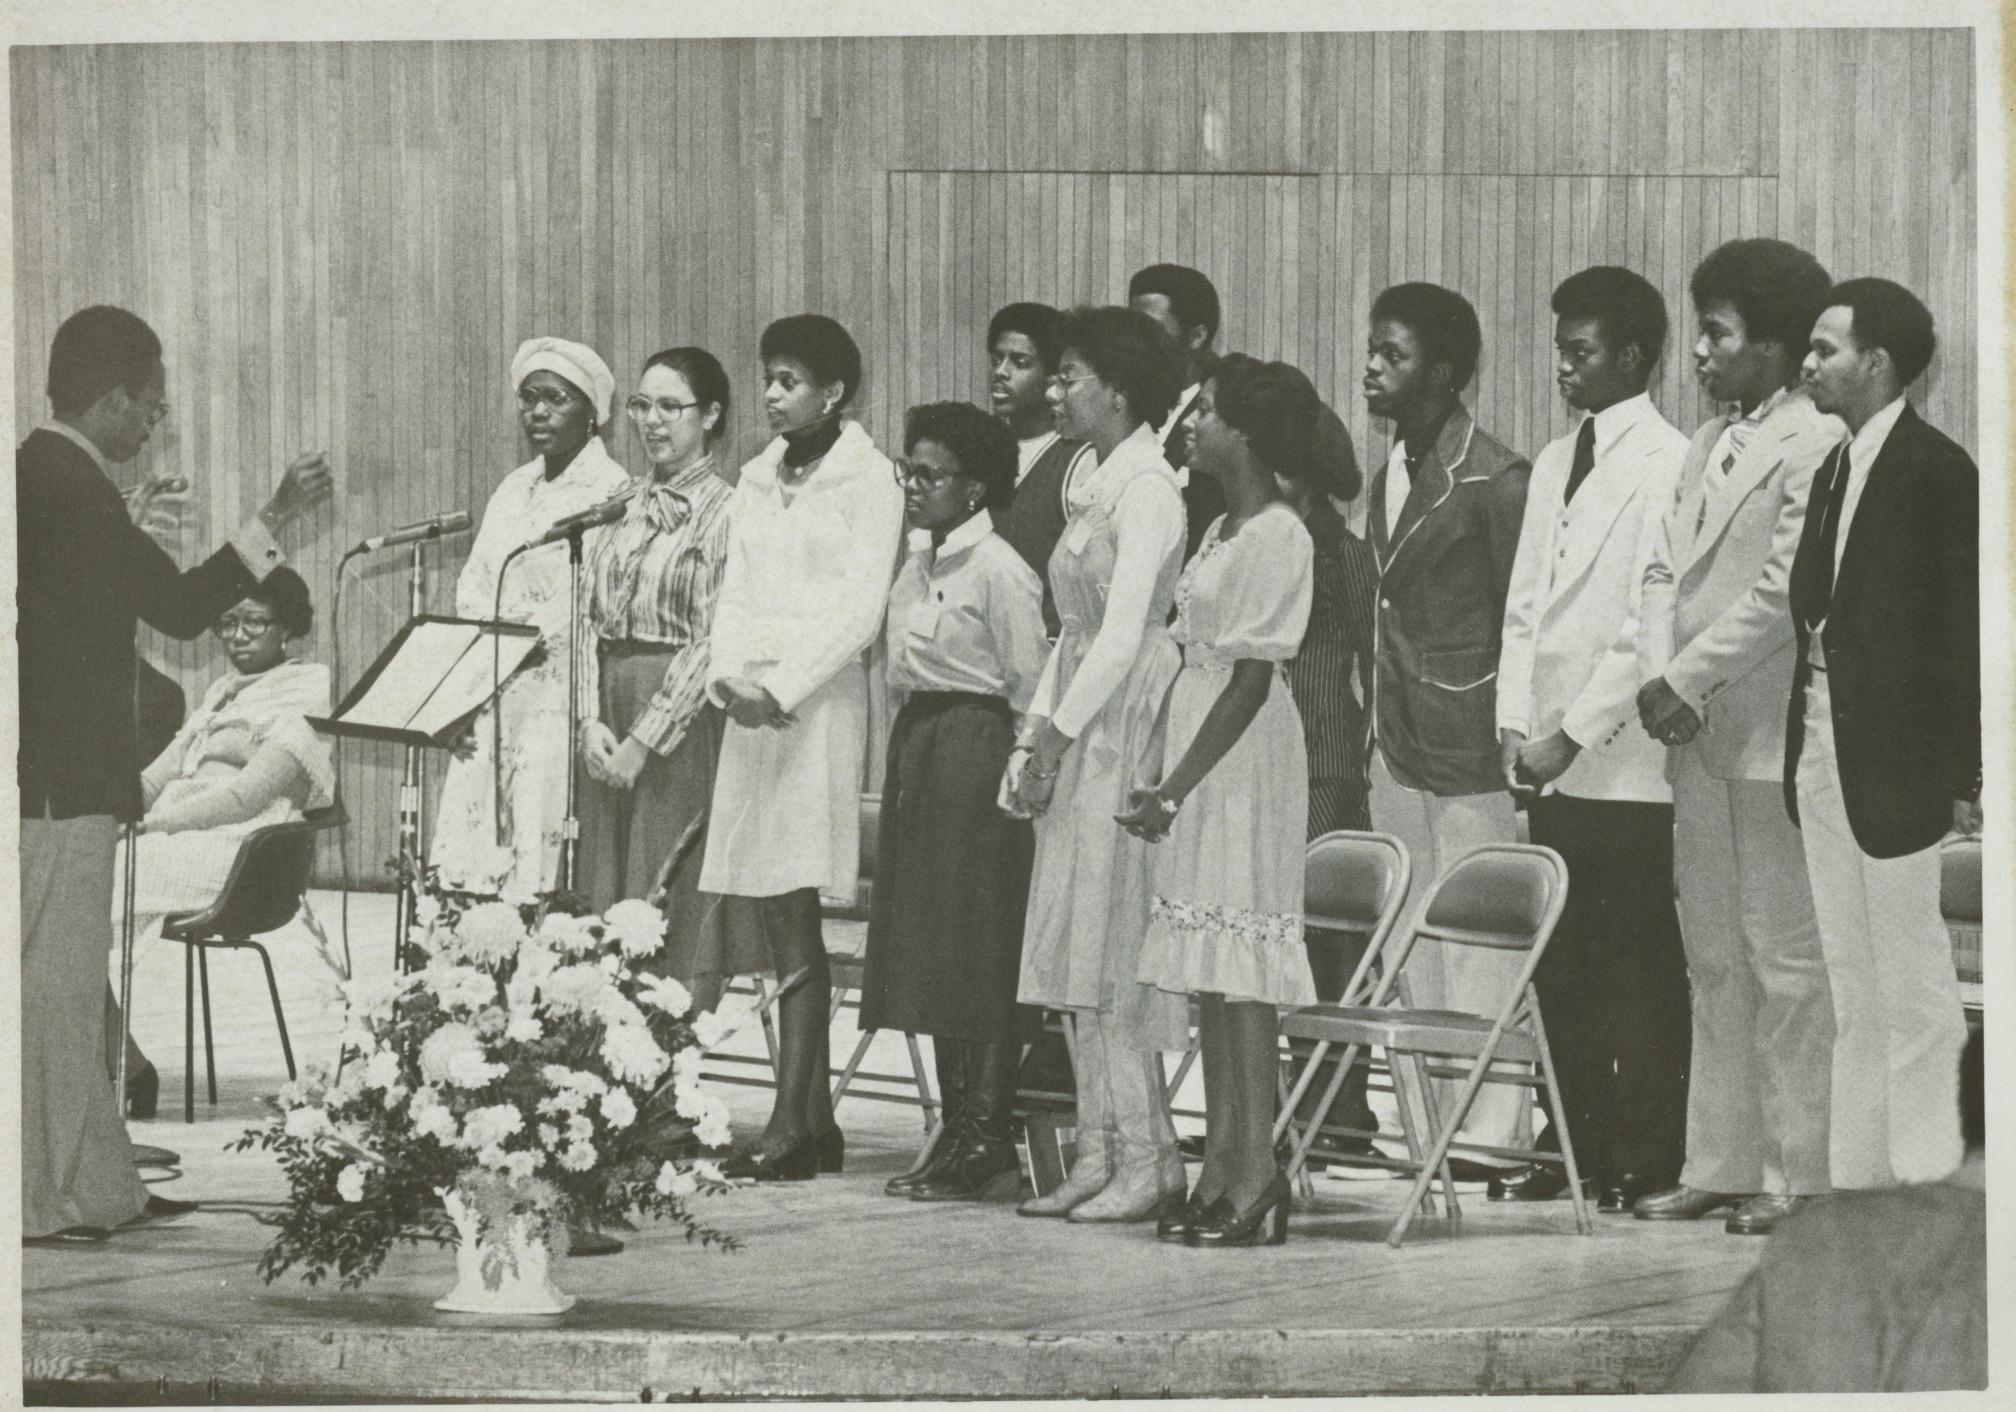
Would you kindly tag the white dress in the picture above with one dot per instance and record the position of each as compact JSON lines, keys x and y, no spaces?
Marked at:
{"x":801,"y":600}
{"x":466,"y":833}
{"x":1226,"y":916}
{"x":245,"y":725}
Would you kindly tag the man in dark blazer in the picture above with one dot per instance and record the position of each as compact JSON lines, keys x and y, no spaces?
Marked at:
{"x":86,"y":574}
{"x":1883,"y":736}
{"x":1443,"y":517}
{"x":1185,"y":303}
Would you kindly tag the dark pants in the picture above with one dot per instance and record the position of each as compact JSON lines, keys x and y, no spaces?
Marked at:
{"x":1613,"y":986}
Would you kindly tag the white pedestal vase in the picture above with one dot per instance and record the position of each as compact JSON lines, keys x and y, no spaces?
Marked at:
{"x":504,"y":1269}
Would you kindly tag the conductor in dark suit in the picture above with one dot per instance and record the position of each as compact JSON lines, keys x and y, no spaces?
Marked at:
{"x":1883,"y":740}
{"x":87,"y":573}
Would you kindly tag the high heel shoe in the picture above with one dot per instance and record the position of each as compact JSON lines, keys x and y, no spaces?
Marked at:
{"x":831,"y":1148}
{"x":1175,"y":1225}
{"x":1264,"y":1222}
{"x":798,"y":1163}
{"x":143,"y":1091}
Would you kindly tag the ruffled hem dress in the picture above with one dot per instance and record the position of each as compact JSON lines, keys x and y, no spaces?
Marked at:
{"x":1225,"y":915}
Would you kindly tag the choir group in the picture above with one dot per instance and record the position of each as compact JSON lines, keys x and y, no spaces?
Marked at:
{"x":1139,"y":660}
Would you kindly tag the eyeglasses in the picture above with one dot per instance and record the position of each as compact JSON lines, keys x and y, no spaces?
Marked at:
{"x":233,"y":625}
{"x":922,"y":477}
{"x":642,"y":407}
{"x":552,"y":398}
{"x":1059,"y":380}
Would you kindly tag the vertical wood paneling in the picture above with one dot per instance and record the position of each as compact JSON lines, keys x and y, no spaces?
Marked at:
{"x":341,"y":245}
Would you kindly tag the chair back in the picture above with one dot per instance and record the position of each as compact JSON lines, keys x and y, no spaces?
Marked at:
{"x":1960,"y":905}
{"x":871,"y":833}
{"x":268,"y":877}
{"x":1356,"y":882}
{"x":1503,"y":896}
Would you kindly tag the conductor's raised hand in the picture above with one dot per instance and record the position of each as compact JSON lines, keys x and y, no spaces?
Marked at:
{"x":156,"y":506}
{"x":306,"y":483}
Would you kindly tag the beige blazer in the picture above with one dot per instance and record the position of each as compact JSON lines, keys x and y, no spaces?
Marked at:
{"x":1570,"y":652}
{"x":1716,"y":608}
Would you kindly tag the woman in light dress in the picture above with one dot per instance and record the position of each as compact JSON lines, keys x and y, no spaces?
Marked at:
{"x":245,"y":758}
{"x":563,"y":402}
{"x":813,"y":531}
{"x":1113,"y":575}
{"x":1224,"y":793}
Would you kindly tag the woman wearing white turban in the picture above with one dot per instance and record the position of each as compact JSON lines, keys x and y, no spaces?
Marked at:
{"x":563,"y":400}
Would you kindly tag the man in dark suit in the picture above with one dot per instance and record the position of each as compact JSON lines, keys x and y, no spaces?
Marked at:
{"x":86,"y":574}
{"x":1185,"y":303}
{"x":1443,"y":516}
{"x":1883,"y":738}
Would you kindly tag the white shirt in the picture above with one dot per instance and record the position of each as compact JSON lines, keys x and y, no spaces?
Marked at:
{"x":1863,"y":449}
{"x":967,"y":615}
{"x":1399,"y":485}
{"x":1028,"y":452}
{"x":1168,"y":428}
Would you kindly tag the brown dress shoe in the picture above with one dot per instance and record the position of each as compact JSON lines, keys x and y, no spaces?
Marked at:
{"x":1683,"y":1203}
{"x":1760,"y":1215}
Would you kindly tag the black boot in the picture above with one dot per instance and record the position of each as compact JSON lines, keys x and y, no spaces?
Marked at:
{"x":985,"y":1166}
{"x":950,"y":1058}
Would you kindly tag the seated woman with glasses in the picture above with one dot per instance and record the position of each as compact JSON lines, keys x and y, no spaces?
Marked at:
{"x":564,"y":391}
{"x":651,"y":735}
{"x":245,"y":758}
{"x":965,"y":649}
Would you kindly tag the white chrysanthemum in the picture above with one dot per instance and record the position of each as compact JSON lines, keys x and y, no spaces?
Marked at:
{"x":710,"y":1029}
{"x":549,"y":1136}
{"x":580,"y":1127}
{"x":309,"y":1088}
{"x":453,"y":1055}
{"x":369,"y":999}
{"x":565,"y":1080}
{"x":488,"y":1127}
{"x":708,"y":1172}
{"x":350,"y":1183}
{"x":459,"y":988}
{"x":569,"y":933}
{"x":632,"y":1055}
{"x":579,"y":1158}
{"x":616,"y":1009}
{"x":431,"y":1117}
{"x":426,"y":910}
{"x":489,"y":933}
{"x":676,"y":1181}
{"x":382,"y":1070}
{"x":619,"y":1110}
{"x":664,"y":993}
{"x":350,"y":1086}
{"x":521,"y":1164}
{"x":636,"y":926}
{"x":712,"y":1130}
{"x":692,"y":1102}
{"x":578,"y":988}
{"x":525,"y":1026}
{"x":309,"y":1124}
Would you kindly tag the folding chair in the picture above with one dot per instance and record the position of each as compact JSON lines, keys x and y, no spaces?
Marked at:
{"x":1960,"y":906}
{"x":262,"y":894}
{"x":1504,"y":897}
{"x":1352,"y":882}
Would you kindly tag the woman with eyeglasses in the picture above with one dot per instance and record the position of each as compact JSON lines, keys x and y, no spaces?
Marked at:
{"x":812,"y":540}
{"x":1113,"y":575}
{"x":564,"y":390}
{"x":246,"y":757}
{"x":965,"y":649}
{"x":651,"y":736}
{"x":1223,"y":792}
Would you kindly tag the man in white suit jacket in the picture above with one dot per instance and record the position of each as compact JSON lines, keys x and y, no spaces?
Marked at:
{"x":1613,"y":985}
{"x":1717,"y":638}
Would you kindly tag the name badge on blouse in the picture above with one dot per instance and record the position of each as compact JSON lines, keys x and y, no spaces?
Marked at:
{"x":1080,"y":536}
{"x":921,"y":622}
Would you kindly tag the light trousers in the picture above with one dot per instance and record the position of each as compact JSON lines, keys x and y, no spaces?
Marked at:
{"x":76,"y":1163}
{"x":1763,"y":1043}
{"x":1436,"y":830}
{"x":1898,"y":1025}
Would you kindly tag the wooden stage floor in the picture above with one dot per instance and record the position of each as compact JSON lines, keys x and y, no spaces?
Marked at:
{"x":841,"y":1292}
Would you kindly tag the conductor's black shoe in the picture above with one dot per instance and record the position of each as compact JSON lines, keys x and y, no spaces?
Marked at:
{"x":68,"y":1236}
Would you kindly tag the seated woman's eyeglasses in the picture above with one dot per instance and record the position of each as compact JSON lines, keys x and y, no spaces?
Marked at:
{"x":642,"y":407}
{"x":244,"y":625}
{"x":923,"y":477}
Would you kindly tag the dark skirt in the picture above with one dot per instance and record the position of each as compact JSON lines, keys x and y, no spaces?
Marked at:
{"x":952,"y":877}
{"x":653,"y":833}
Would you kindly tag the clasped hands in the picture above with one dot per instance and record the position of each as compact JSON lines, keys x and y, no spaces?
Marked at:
{"x":612,"y":762}
{"x":1530,"y":766}
{"x":752,"y":706}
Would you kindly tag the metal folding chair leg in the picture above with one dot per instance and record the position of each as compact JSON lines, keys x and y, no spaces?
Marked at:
{"x":279,"y":1016}
{"x":209,"y":1045}
{"x":1567,"y":1138}
{"x":923,"y":1077}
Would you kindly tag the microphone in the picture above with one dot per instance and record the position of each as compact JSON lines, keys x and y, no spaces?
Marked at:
{"x":454,"y":522}
{"x":595,"y":516}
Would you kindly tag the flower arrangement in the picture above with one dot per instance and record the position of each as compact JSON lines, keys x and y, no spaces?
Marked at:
{"x":526,"y":1063}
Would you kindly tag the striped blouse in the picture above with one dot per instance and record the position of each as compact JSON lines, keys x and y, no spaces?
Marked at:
{"x":654,"y":579}
{"x":1334,"y":724}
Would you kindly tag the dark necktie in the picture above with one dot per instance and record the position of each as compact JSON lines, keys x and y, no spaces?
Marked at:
{"x":1830,"y":529}
{"x":1585,"y":458}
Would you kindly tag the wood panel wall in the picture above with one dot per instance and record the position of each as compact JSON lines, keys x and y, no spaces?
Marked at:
{"x":342,"y":244}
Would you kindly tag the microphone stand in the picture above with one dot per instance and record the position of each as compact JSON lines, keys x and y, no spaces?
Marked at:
{"x":570,"y":834}
{"x":412,"y":794}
